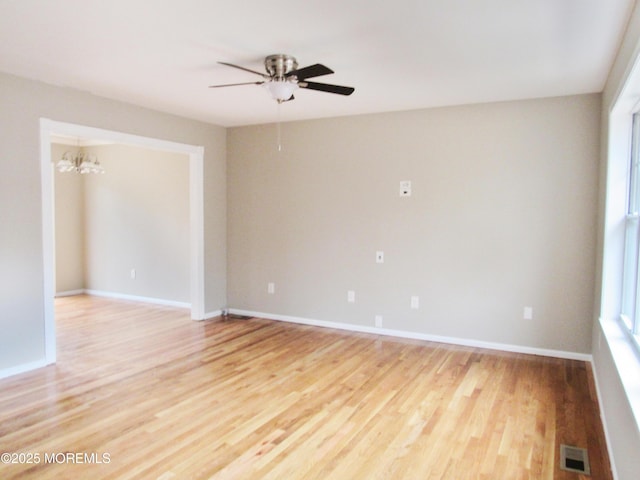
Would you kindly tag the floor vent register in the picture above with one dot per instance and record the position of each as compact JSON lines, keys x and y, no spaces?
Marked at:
{"x":574,"y":459}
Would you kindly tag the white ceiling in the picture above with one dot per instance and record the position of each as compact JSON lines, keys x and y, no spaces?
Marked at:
{"x":399,"y":55}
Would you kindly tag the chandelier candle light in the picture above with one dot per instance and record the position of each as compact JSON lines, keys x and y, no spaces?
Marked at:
{"x":79,"y":162}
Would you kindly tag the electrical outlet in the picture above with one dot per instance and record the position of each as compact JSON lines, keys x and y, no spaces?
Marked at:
{"x":351,"y":296}
{"x":271,"y":288}
{"x":133,"y":273}
{"x":378,"y":321}
{"x":527,"y":313}
{"x":379,"y":257}
{"x":415,"y":302}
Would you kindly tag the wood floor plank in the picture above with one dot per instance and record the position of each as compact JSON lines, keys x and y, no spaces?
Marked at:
{"x":142,"y":391}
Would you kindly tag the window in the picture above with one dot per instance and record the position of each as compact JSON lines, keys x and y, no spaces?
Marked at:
{"x":631,"y":281}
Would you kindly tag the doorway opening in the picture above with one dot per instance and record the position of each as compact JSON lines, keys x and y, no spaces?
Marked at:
{"x":49,"y":129}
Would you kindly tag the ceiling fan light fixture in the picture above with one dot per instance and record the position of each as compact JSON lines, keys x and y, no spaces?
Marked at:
{"x":281,"y":90}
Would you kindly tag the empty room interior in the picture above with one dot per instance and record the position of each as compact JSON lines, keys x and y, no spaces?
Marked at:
{"x":321,"y":240}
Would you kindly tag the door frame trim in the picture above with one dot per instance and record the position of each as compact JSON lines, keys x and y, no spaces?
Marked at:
{"x":48,"y":128}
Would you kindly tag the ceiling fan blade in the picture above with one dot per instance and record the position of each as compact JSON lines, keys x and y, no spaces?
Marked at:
{"x":235,"y":84}
{"x":311,"y":71}
{"x":263,"y":75}
{"x":326,"y":87}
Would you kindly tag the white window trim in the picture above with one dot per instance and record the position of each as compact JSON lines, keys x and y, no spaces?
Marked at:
{"x":622,"y":345}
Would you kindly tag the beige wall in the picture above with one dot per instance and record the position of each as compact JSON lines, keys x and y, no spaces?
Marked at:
{"x":70,"y":226}
{"x":135,"y":216}
{"x":22,"y":104}
{"x":138,"y":218}
{"x":502,"y":216}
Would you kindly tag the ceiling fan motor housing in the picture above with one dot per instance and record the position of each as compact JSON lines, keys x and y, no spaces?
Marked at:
{"x":279,"y":65}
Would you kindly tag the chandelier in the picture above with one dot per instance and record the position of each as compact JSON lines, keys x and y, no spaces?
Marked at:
{"x":79,"y":162}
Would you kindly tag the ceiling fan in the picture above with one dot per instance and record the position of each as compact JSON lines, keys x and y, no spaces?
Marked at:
{"x":283,"y":77}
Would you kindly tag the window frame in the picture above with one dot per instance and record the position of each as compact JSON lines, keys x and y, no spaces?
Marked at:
{"x":630,"y":301}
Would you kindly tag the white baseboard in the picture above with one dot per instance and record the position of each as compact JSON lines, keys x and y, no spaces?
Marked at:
{"x":70,"y":293}
{"x":25,"y":367}
{"x":209,"y":315}
{"x":136,"y":298}
{"x":419,"y":336}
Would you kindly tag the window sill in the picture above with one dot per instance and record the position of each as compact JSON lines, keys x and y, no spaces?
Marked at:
{"x":627,"y":361}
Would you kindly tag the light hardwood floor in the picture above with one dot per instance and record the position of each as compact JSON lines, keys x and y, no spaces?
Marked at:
{"x":152,"y":394}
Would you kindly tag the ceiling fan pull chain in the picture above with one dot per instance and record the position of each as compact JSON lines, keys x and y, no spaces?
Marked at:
{"x":279,"y":128}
